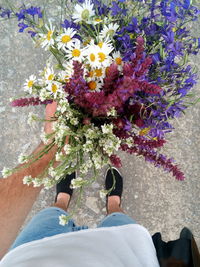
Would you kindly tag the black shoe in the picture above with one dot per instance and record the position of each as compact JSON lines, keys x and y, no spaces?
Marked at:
{"x":64,"y":185}
{"x":109,"y":181}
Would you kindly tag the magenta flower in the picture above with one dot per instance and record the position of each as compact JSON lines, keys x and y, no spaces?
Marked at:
{"x":32,"y":101}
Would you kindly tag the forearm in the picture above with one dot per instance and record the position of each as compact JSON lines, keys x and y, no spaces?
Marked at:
{"x":16,"y":199}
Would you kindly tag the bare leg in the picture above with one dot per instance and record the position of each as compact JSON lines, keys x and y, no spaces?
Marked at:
{"x":114,"y":204}
{"x":62,"y":201}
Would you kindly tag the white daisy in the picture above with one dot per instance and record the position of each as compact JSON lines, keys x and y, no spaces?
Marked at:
{"x":47,"y":39}
{"x":49,"y":75}
{"x":66,"y":38}
{"x":28,"y":86}
{"x":105,"y":44}
{"x":92,"y":56}
{"x":95,"y":85}
{"x":75,"y":52}
{"x":103,"y":56}
{"x":83,"y":12}
{"x":118,"y":59}
{"x":109,"y":31}
{"x":98,"y":73}
{"x":66,"y":74}
{"x":54,"y":88}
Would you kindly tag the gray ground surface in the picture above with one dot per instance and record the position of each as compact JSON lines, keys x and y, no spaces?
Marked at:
{"x":153,"y":198}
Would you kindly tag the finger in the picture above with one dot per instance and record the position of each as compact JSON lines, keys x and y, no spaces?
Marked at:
{"x":50,"y":110}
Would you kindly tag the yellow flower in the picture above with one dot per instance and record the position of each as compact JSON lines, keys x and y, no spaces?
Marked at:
{"x":144,"y":131}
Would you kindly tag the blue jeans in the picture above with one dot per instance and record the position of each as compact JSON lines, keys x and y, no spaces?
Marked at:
{"x":46,"y":223}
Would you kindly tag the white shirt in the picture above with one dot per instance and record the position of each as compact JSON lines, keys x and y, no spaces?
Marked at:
{"x":119,"y":246}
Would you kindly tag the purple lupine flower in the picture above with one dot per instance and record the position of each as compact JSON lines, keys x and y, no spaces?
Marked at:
{"x":22,"y":26}
{"x":32,"y":33}
{"x":21,"y":14}
{"x":128,"y":125}
{"x":186,"y":4}
{"x":33,"y":11}
{"x":116,"y":10}
{"x":5,"y":12}
{"x":70,"y":24}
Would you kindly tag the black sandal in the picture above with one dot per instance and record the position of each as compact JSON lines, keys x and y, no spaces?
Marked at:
{"x":109,"y":180}
{"x":64,"y":185}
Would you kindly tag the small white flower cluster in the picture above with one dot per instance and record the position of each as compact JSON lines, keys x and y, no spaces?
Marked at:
{"x":63,"y":219}
{"x":48,"y":182}
{"x":6,"y":172}
{"x":56,"y":173}
{"x":109,"y":142}
{"x":63,"y":105}
{"x":103,"y":193}
{"x":84,"y":168}
{"x":74,"y":121}
{"x":129,"y":142}
{"x":112,"y":112}
{"x":78,"y":182}
{"x":61,"y":131}
{"x":60,"y":156}
{"x":107,"y":128}
{"x":88,"y":146}
{"x":67,"y":149}
{"x":27,"y":179}
{"x":99,"y":161}
{"x":32,"y":118}
{"x":44,"y":137}
{"x":37,"y":182}
{"x":92,"y":132}
{"x":22,"y":158}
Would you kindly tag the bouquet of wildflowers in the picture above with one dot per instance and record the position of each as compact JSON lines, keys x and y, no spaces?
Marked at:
{"x":122,"y":76}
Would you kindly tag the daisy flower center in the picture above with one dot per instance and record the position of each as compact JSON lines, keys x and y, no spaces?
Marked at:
{"x":30,"y":84}
{"x":98,"y":72}
{"x":118,"y":60}
{"x":91,"y":73}
{"x":92,"y":85}
{"x":100,"y":44}
{"x":76,"y":53}
{"x":85,"y":14}
{"x":49,"y":34}
{"x":110,"y":32}
{"x":102,"y":56}
{"x":65,"y":39}
{"x":54,"y":88}
{"x":92,"y":57}
{"x":51,"y":76}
